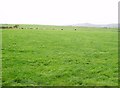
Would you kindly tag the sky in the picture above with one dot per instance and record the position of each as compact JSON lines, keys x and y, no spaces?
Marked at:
{"x":58,"y":12}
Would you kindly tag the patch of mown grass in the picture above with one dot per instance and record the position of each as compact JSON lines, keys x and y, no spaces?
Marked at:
{"x":86,"y":57}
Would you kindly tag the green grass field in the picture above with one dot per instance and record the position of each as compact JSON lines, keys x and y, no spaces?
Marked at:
{"x":85,"y":57}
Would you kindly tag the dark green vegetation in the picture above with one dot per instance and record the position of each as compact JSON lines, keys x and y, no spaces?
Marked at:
{"x":87,"y":56}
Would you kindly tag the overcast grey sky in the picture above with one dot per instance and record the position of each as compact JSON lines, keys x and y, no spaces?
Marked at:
{"x":59,"y":12}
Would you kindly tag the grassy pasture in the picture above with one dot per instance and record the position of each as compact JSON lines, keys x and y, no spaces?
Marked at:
{"x":86,"y":57}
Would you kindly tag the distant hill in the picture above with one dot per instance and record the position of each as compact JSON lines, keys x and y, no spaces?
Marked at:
{"x":95,"y":25}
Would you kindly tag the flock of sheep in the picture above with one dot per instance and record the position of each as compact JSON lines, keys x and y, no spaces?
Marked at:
{"x":18,"y":27}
